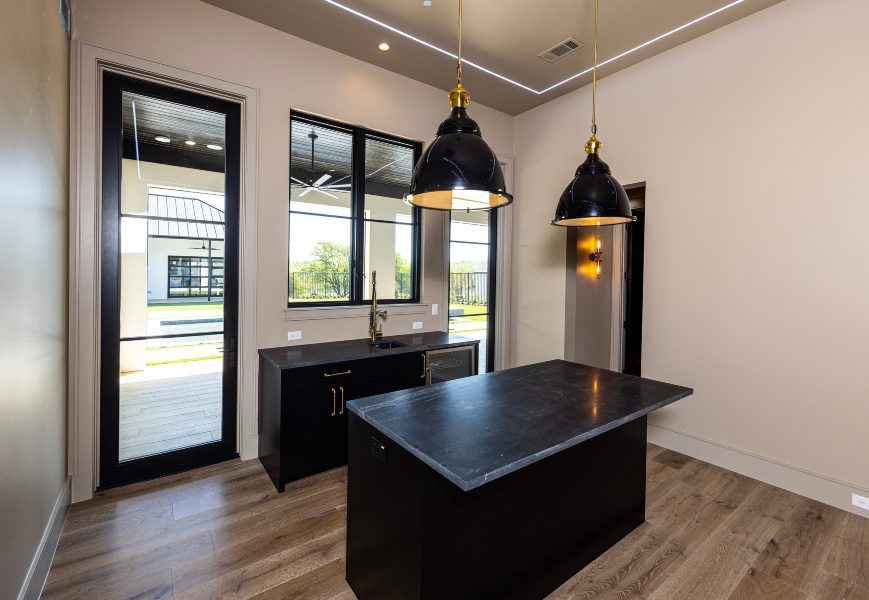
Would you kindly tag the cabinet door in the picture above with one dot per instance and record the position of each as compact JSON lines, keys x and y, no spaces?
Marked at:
{"x":314,"y":422}
{"x":389,"y":373}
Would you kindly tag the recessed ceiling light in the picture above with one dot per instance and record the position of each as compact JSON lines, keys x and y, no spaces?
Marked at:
{"x":213,"y":147}
{"x":190,"y":143}
{"x":383,"y":46}
{"x":426,"y":2}
{"x":162,"y":138}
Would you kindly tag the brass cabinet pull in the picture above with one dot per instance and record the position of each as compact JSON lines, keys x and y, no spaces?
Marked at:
{"x":342,"y":401}
{"x":347,"y":372}
{"x":333,"y":402}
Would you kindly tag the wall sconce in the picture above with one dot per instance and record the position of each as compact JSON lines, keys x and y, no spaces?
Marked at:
{"x":597,"y":257}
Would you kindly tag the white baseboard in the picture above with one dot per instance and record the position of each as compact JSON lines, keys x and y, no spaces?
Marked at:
{"x":31,"y":589}
{"x":789,"y":477}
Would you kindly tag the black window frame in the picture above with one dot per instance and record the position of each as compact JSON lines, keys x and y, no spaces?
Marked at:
{"x":358,"y":279}
{"x":212,"y":265}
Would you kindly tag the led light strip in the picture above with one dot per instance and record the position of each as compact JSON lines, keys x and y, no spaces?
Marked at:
{"x":512,"y":81}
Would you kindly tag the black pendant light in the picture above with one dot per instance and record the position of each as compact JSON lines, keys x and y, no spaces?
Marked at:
{"x":594,"y":197}
{"x":458,"y":170}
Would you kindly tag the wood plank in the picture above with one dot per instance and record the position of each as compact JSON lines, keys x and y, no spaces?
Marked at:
{"x":272,"y":571}
{"x":798,"y":551}
{"x":260,"y":547}
{"x":719,"y":564}
{"x":757,"y":585}
{"x":320,"y":584}
{"x":849,"y":554}
{"x":672,"y":459}
{"x":832,"y":587}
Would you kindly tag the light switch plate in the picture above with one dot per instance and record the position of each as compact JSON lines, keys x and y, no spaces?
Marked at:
{"x":294,"y":335}
{"x":860,"y":501}
{"x":417,"y":324}
{"x":434,"y":309}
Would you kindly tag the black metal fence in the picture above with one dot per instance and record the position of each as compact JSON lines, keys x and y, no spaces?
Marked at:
{"x":465,"y":288}
{"x":312,"y":285}
{"x":469,"y":288}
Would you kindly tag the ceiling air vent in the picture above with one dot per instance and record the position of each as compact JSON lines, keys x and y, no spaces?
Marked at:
{"x":561,"y":50}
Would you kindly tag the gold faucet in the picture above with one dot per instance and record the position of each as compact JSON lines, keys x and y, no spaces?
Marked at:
{"x":375,"y":331}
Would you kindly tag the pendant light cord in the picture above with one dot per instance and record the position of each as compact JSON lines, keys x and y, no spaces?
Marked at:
{"x":459,"y":58}
{"x":594,"y":77}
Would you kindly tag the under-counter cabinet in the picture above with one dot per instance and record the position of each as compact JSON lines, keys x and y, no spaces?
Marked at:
{"x":304,"y":391}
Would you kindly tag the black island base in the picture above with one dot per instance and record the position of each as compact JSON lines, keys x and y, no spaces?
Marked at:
{"x":498,"y":486}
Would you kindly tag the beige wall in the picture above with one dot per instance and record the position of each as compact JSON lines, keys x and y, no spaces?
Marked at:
{"x":752,"y":141}
{"x":276,"y":72}
{"x":34,"y":54}
{"x":289,"y":73}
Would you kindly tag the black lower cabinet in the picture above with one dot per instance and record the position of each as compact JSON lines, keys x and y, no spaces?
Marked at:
{"x":303,"y":414}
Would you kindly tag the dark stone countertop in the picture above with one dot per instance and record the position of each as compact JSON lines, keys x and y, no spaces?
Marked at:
{"x":477,"y":429}
{"x":307,"y":355}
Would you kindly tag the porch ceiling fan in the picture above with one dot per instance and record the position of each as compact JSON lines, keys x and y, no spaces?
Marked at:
{"x":318,"y":185}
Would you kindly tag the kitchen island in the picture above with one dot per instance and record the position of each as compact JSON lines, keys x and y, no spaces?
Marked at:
{"x":497,"y":486}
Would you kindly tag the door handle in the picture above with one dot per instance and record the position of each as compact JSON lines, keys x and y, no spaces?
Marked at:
{"x":342,"y":400}
{"x":424,"y":366}
{"x":333,"y":402}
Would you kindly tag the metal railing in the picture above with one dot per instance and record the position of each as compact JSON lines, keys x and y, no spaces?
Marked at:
{"x":469,"y":288}
{"x":312,"y":285}
{"x":465,"y":288}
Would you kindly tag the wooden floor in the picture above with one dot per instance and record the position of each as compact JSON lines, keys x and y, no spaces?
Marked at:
{"x":167,"y":414}
{"x":223,"y":532}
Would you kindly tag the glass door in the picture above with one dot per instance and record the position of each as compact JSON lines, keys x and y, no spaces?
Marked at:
{"x":472,"y":280}
{"x":169,"y":273}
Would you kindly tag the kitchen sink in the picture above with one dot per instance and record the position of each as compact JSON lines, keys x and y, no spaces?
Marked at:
{"x":387,"y":344}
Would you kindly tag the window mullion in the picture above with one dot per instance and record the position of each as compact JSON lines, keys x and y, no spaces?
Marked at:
{"x":358,"y":210}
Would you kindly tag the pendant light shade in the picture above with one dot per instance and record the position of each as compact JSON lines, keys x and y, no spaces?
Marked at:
{"x":458,"y":170}
{"x":594,"y":197}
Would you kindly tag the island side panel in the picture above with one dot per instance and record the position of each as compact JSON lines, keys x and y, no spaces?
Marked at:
{"x":521,"y":536}
{"x":384,"y":517}
{"x":270,"y":404}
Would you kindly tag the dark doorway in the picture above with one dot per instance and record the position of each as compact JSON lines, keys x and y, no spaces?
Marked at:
{"x":633,"y":323}
{"x":169,"y":280}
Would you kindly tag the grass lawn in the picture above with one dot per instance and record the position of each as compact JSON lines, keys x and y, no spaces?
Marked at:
{"x":192,"y":305}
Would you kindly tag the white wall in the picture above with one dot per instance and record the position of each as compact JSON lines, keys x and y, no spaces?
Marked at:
{"x":34,"y":142}
{"x":752,"y":141}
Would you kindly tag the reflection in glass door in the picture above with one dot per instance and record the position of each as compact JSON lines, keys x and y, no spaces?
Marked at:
{"x":472,"y":280}
{"x":169,"y":280}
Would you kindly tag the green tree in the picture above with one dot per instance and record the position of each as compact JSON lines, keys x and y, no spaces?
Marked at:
{"x":332,"y":263}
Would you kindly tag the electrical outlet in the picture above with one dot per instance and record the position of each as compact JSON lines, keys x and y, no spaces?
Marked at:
{"x":417,"y":324}
{"x":434,"y":309}
{"x":294,"y":335}
{"x":860,"y":501}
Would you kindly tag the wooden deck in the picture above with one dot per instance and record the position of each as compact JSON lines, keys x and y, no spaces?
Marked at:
{"x":167,"y":414}
{"x":223,"y":532}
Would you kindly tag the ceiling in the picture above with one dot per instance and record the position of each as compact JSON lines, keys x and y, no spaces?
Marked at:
{"x":151,"y":118}
{"x":504,"y":36}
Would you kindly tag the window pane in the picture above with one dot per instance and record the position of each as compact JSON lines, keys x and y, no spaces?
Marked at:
{"x":389,"y":251}
{"x":388,"y":169}
{"x":320,"y":169}
{"x":470,"y":227}
{"x":389,"y":245}
{"x":319,"y":258}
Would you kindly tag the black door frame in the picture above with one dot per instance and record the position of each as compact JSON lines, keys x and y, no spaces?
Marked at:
{"x":632,"y":326}
{"x":492,"y":281}
{"x":113,"y":472}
